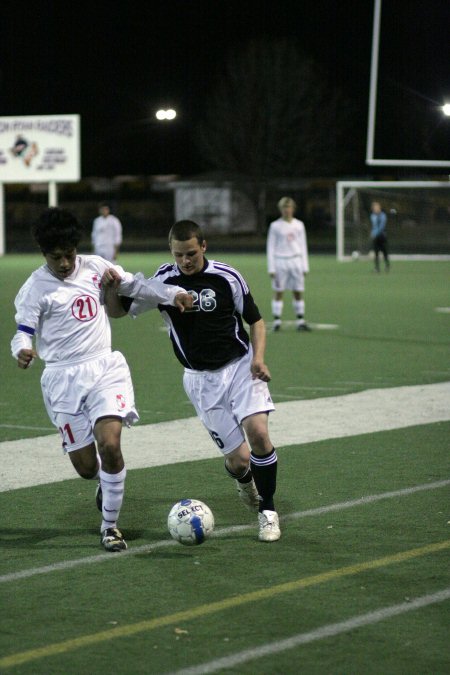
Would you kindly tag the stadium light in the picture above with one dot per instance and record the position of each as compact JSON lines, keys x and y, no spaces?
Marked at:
{"x":169,"y":114}
{"x":446,"y":109}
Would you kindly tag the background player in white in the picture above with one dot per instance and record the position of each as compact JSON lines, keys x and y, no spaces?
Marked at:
{"x":287,"y":262}
{"x":225,"y":375}
{"x":87,"y":389}
{"x":106,"y":234}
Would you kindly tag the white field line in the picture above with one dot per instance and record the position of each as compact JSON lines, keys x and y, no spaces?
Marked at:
{"x":21,"y":426}
{"x":36,"y":461}
{"x":337,"y":388}
{"x":222,"y":532}
{"x":314,"y":326}
{"x":321,"y":633}
{"x":287,"y":324}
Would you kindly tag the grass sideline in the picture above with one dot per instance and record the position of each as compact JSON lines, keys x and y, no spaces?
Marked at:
{"x":389,"y":335}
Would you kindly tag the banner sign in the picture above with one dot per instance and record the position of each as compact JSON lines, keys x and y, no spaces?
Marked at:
{"x":40,"y":149}
{"x":209,"y":207}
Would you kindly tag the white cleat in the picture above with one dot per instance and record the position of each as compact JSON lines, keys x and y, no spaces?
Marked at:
{"x":249,"y":495}
{"x":269,"y":526}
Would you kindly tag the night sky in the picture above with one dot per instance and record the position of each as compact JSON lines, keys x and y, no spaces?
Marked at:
{"x":115,"y":63}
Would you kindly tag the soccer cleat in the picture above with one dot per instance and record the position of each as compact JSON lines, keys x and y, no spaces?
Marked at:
{"x":249,"y":495}
{"x":269,"y":526}
{"x":99,"y":497}
{"x":112,"y":540}
{"x":303,"y":327}
{"x":276,"y":325}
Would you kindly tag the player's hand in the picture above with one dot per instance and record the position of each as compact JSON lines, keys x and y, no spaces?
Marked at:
{"x":111,"y":278}
{"x":260,"y":371}
{"x":25,"y":358}
{"x":184,"y":301}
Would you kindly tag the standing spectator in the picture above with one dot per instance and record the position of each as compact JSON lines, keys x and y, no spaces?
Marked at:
{"x":287,"y":260}
{"x":106,"y":234}
{"x":378,"y":235}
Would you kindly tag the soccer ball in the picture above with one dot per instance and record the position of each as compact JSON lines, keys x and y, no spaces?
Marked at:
{"x":355,"y":255}
{"x":190,"y":522}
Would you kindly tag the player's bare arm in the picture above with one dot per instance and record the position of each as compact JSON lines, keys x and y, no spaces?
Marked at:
{"x":25,"y":358}
{"x":258,"y":339}
{"x":110,"y":284}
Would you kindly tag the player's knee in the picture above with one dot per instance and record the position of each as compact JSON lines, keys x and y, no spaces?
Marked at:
{"x":238,"y":461}
{"x":111,"y":456}
{"x":259,"y":441}
{"x":258,"y":438}
{"x":87,"y":473}
{"x":85,"y":468}
{"x":238,"y":465}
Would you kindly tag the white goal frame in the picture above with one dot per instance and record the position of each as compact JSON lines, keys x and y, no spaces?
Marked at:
{"x":343,"y":197}
{"x":371,"y":121}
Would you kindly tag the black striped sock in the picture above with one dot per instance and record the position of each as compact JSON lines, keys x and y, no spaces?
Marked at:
{"x":264,"y":470}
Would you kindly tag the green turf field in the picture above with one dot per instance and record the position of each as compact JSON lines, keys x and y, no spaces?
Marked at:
{"x":365,"y":519}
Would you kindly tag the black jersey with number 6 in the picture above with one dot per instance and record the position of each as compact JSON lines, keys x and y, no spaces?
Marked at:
{"x":212,"y":333}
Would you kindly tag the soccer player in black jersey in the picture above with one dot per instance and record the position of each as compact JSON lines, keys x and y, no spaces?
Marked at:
{"x":225,"y":375}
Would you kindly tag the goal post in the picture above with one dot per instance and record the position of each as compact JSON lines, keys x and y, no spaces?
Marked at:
{"x":434,"y":44}
{"x":418,"y":218}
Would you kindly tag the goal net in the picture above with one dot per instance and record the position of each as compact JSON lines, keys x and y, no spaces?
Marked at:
{"x":418,"y":218}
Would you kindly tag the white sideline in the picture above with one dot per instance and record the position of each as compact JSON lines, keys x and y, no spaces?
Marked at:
{"x":222,"y":532}
{"x":36,"y":461}
{"x":320,"y":633}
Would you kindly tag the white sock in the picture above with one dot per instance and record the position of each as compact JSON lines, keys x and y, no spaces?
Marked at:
{"x":113,"y":486}
{"x":99,"y":464}
{"x":277,"y":308}
{"x":299,"y":308}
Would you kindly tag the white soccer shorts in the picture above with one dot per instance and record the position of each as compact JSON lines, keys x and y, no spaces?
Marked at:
{"x":223,"y":398}
{"x":288,"y":275}
{"x":77,"y":395}
{"x":106,"y":252}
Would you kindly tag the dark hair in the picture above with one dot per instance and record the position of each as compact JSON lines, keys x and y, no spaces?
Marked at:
{"x":57,"y":228}
{"x":184,"y":230}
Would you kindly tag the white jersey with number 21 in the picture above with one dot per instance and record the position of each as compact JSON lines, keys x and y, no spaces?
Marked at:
{"x":67,"y":316}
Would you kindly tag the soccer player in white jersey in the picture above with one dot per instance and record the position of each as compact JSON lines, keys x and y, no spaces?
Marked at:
{"x":106,"y":234}
{"x":225,"y":375}
{"x":287,"y":262}
{"x":87,"y":388}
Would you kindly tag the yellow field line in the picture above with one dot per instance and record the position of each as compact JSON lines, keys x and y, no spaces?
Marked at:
{"x":220,"y":605}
